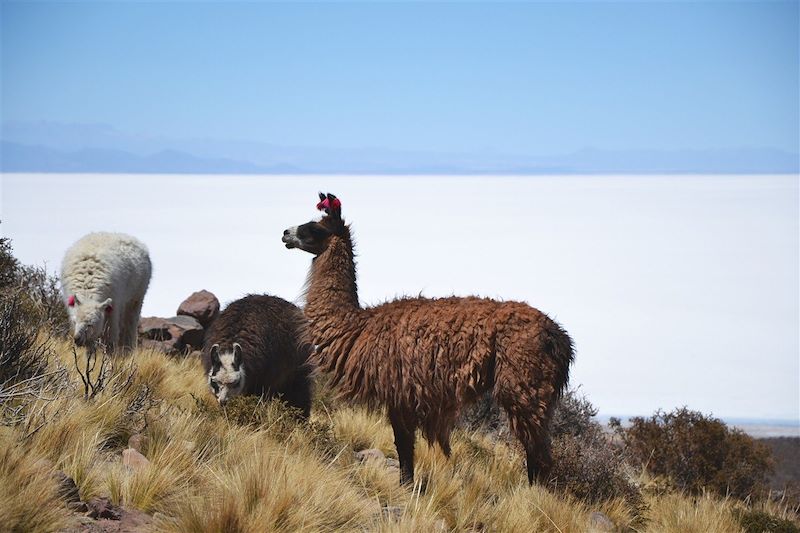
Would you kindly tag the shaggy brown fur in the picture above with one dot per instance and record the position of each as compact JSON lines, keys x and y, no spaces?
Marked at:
{"x":273,"y":353}
{"x":426,"y":359}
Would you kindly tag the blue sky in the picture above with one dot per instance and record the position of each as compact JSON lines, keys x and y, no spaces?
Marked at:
{"x":525,"y":78}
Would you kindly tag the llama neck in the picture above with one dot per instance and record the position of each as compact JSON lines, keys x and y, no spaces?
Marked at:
{"x":332,"y":291}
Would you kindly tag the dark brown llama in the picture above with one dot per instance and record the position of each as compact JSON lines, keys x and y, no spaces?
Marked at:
{"x":425,"y":359}
{"x":256,"y":347}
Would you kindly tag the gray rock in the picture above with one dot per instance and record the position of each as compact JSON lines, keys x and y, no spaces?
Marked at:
{"x":369,"y":454}
{"x":201,"y":305}
{"x":392,"y":463}
{"x":600,"y":523}
{"x":393,"y":512}
{"x":44,"y":464}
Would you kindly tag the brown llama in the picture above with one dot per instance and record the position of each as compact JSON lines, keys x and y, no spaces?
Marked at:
{"x":425,"y":359}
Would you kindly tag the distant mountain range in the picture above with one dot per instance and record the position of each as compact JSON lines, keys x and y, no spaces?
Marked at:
{"x":98,"y":148}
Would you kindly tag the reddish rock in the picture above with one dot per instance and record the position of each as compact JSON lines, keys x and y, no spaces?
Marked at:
{"x":201,"y":305}
{"x":187,"y":330}
{"x":137,"y":441}
{"x":103,"y":508}
{"x":123,"y":521}
{"x":154,"y":328}
{"x":134,"y":460}
{"x":176,"y":335}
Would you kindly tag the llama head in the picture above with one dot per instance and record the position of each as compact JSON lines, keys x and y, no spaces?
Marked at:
{"x":88,"y":318}
{"x":314,"y":237}
{"x":226,"y":377}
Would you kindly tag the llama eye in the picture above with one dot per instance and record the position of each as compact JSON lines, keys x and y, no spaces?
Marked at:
{"x":234,"y":384}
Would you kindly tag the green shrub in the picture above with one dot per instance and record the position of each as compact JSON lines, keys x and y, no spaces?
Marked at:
{"x":36,"y":292}
{"x":8,"y":264}
{"x":760,"y":522}
{"x":29,"y":309}
{"x":574,"y":415}
{"x":698,"y":452}
{"x":586,"y":463}
{"x":23,"y":355}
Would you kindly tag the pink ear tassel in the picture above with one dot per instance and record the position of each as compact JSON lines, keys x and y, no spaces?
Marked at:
{"x":71,"y":301}
{"x":325,"y":204}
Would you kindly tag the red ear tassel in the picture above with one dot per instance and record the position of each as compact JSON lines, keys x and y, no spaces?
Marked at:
{"x":71,"y":301}
{"x":325,"y":204}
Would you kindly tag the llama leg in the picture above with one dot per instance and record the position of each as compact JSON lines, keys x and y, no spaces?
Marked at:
{"x":539,"y":460}
{"x":133,"y":323}
{"x":124,"y":329}
{"x":298,"y":393}
{"x":531,"y":372}
{"x":111,"y":336}
{"x":534,"y":437}
{"x":529,"y":410}
{"x":445,"y":446}
{"x":404,"y":442}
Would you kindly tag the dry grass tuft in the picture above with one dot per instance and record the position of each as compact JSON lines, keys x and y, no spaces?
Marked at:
{"x":677,"y":513}
{"x":28,"y":491}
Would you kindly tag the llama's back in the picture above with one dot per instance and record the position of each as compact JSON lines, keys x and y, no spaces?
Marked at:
{"x":106,"y":263}
{"x":442,"y":354}
{"x":270,"y":331}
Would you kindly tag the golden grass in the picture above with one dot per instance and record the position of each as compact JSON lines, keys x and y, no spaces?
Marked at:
{"x":208,"y":473}
{"x":675,"y":513}
{"x":28,"y":499}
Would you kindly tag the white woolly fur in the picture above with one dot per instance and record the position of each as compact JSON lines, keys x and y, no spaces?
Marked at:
{"x":106,"y":275}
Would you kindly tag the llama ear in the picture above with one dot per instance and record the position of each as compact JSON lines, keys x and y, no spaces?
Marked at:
{"x":321,"y":196}
{"x":237,"y":355}
{"x":107,"y":307}
{"x":215,"y":362}
{"x":334,"y":207}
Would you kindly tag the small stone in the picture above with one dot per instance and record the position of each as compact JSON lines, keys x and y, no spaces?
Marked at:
{"x":78,"y":507}
{"x":44,"y":464}
{"x":369,"y":454}
{"x":134,"y":460}
{"x":67,"y":489}
{"x":103,"y":508}
{"x":392,"y":463}
{"x":85,"y":520}
{"x":600,"y":523}
{"x":393,"y":512}
{"x":137,"y":441}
